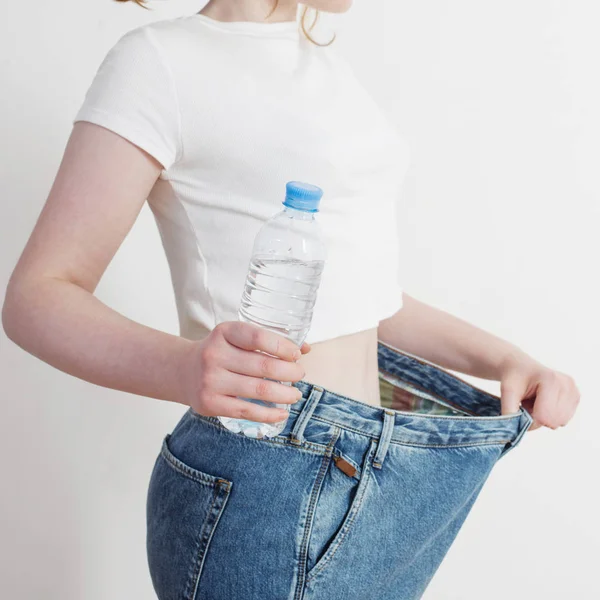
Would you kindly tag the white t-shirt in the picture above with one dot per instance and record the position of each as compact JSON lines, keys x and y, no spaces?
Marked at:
{"x":233,"y":111}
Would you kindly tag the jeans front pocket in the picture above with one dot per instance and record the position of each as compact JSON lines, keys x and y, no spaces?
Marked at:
{"x":335,"y":509}
{"x":183,"y":509}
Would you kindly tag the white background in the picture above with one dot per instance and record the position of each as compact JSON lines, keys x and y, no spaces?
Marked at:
{"x":499,"y":219}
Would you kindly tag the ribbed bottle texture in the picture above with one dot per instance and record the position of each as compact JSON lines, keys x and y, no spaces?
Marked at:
{"x":288,"y":258}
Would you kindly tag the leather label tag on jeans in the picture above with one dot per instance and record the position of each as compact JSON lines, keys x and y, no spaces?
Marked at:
{"x":344,"y":466}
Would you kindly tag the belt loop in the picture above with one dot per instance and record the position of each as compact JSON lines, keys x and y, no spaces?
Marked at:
{"x":524,"y":422}
{"x":384,"y":438}
{"x":297,"y":434}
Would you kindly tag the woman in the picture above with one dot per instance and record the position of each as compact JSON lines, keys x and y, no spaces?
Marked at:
{"x":383,"y":453}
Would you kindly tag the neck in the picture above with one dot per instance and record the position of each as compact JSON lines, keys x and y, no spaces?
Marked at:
{"x":251,"y":10}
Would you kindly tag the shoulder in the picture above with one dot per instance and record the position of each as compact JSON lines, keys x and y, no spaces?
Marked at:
{"x":167,"y":33}
{"x":173,"y":39}
{"x":164,"y":29}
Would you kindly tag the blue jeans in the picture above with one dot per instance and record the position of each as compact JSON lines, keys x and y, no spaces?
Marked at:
{"x":350,"y":502}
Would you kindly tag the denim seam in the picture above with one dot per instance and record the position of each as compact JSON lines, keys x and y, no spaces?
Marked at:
{"x":469,"y":445}
{"x":312,"y":503}
{"x":348,"y":521}
{"x":403,"y":443}
{"x":524,"y":428}
{"x":297,"y":432}
{"x":438,"y":367}
{"x":484,"y":418}
{"x":194,"y":474}
{"x":221,"y":496}
{"x":220,"y":490}
{"x":384,"y":439}
{"x":198,"y":560}
{"x":311,"y":447}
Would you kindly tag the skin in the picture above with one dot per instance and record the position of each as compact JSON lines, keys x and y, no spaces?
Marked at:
{"x":101,"y":185}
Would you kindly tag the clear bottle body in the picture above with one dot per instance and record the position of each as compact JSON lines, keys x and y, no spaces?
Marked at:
{"x":288,"y":258}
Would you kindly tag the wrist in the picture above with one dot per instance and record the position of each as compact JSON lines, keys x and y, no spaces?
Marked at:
{"x":515,"y":358}
{"x":185,"y":369}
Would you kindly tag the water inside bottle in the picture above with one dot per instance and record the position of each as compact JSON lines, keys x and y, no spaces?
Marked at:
{"x":279,"y":295}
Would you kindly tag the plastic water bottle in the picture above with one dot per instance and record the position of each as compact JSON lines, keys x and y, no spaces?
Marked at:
{"x":281,"y":287}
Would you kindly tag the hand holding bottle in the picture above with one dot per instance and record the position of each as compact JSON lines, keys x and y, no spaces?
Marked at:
{"x":280,"y":292}
{"x":232,"y":362}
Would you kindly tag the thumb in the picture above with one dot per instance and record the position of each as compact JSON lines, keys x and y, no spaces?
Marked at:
{"x":512,"y":390}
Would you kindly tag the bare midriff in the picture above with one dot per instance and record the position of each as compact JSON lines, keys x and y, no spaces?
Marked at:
{"x":346,"y":365}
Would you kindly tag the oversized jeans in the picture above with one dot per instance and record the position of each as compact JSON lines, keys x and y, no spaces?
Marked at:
{"x":350,"y":502}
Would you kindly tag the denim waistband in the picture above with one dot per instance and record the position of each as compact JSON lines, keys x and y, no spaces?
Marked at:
{"x":482,"y":425}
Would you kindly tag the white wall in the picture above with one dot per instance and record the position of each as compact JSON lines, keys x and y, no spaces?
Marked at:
{"x":499,"y":220}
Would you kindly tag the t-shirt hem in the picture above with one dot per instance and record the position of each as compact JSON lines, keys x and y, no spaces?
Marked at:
{"x":388,"y":309}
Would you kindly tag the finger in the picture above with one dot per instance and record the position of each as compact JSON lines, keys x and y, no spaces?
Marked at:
{"x":257,"y":364}
{"x":252,"y":337}
{"x":527,"y":404}
{"x":565,"y":408}
{"x":511,"y":393}
{"x":567,"y":401}
{"x":306,"y":347}
{"x":236,"y":408}
{"x":546,"y":405}
{"x":234,"y":384}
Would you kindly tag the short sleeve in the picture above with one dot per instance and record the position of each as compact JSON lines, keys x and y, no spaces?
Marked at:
{"x":133,"y":94}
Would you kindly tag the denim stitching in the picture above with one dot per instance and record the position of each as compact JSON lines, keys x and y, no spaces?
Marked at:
{"x":311,"y":447}
{"x":405,"y":443}
{"x":312,"y":503}
{"x":430,"y":416}
{"x":297,"y":433}
{"x":488,"y":443}
{"x":437,"y":367}
{"x":521,"y":433}
{"x":330,"y":553}
{"x":221,"y":489}
{"x":384,"y":439}
{"x":199,"y":557}
{"x":189,"y":472}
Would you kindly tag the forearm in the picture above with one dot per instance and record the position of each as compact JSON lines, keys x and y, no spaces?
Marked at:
{"x":72,"y":330}
{"x":448,"y":341}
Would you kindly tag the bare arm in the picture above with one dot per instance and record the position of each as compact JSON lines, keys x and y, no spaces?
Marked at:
{"x":51,"y":312}
{"x":448,"y":341}
{"x":50,"y":309}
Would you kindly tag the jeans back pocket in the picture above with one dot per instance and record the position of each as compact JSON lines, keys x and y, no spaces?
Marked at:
{"x":183,"y":509}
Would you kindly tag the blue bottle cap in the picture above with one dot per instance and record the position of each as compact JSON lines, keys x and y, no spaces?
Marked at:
{"x":302,"y":196}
